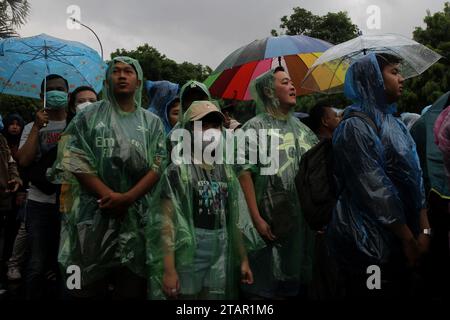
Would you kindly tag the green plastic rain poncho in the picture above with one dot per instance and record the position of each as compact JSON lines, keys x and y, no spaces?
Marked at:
{"x":283,"y":265}
{"x":200,"y":91}
{"x":199,"y":213}
{"x":120,"y":148}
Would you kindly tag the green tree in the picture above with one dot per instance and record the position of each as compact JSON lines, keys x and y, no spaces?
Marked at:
{"x":425,"y":89}
{"x":332,"y":27}
{"x":26,"y":107}
{"x":157,"y":66}
{"x":13,"y":14}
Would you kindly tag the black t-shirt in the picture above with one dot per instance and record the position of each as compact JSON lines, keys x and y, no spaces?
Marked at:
{"x":210,"y":193}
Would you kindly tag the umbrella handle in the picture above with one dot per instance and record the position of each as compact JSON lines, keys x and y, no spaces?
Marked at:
{"x":45,"y":123}
{"x":45,"y":96}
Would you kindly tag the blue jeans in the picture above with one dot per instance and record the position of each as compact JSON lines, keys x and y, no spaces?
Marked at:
{"x":43,"y":223}
{"x":208,"y":270}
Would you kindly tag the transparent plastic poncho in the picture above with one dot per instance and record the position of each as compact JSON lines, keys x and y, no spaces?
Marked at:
{"x":120,"y":148}
{"x":172,"y":229}
{"x":378,"y":174}
{"x":282,"y":266}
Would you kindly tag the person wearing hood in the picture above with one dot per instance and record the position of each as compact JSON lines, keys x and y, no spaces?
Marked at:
{"x":283,"y":267}
{"x":113,"y":155}
{"x":13,"y":127}
{"x":380,"y":217}
{"x":14,"y":246}
{"x":191,"y":91}
{"x":9,"y":184}
{"x":160,"y":95}
{"x":171,"y":113}
{"x":194,"y":240}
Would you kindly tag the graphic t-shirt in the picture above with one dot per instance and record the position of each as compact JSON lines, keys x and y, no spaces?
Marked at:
{"x":210,"y":197}
{"x":209,"y":194}
{"x":48,"y":138}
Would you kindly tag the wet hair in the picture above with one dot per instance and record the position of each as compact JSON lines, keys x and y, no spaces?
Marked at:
{"x":317,"y":113}
{"x":52,"y":77}
{"x":385,"y":59}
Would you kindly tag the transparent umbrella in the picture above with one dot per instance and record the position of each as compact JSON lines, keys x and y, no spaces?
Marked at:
{"x":327,"y":74}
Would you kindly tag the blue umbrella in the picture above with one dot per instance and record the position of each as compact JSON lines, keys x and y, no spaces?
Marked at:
{"x":24,"y":63}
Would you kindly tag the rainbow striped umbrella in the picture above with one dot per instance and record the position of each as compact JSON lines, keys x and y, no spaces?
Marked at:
{"x":232,"y":78}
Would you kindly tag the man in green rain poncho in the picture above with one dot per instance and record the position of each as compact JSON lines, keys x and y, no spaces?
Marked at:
{"x":115,"y":150}
{"x":196,"y":249}
{"x":282,"y":268}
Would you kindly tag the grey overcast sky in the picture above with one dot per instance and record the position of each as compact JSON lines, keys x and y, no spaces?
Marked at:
{"x":205,"y":31}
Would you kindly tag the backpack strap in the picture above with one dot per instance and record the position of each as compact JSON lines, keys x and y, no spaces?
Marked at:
{"x":365,"y":117}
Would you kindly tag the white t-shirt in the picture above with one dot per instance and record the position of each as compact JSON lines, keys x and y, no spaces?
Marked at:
{"x":48,"y":138}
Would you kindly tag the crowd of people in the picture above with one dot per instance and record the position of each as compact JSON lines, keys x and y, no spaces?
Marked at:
{"x":92,"y":183}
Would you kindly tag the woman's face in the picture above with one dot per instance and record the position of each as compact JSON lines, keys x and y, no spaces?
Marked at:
{"x":14,"y":128}
{"x":173,"y":114}
{"x":85,"y":96}
{"x":285,"y":90}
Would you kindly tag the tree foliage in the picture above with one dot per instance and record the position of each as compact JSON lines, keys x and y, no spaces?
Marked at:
{"x":13,"y":13}
{"x":425,"y":89}
{"x":332,"y":27}
{"x":157,"y":66}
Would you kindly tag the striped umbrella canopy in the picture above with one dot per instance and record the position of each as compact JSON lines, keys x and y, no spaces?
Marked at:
{"x":232,"y":78}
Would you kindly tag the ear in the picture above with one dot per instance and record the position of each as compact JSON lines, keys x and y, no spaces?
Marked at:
{"x":139,"y":83}
{"x":324,"y":122}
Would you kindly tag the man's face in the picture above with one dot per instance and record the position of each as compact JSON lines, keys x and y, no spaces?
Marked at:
{"x":393,"y":82}
{"x":57,"y":84}
{"x":285,"y":90}
{"x":330,"y":119}
{"x":124,"y":79}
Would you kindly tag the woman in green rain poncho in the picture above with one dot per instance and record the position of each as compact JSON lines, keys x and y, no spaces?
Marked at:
{"x":283,"y":267}
{"x":196,"y":250}
{"x":111,"y":154}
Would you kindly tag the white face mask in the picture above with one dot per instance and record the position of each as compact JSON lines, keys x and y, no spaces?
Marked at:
{"x":81,"y":106}
{"x":212,"y":135}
